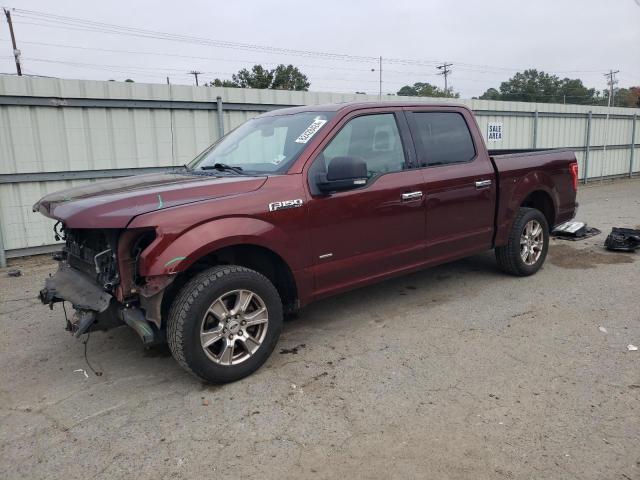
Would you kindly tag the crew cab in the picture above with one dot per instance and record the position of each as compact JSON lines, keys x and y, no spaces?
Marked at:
{"x":296,"y":205}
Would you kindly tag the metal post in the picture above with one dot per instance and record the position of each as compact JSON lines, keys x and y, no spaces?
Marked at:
{"x":586,"y":155}
{"x":380,"y":76}
{"x":220,"y":118}
{"x":16,"y":52}
{"x":633,"y":144}
{"x":3,"y":256}
{"x":535,"y":130}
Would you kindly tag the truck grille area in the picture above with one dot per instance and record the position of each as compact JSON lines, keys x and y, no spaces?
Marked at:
{"x":91,"y":252}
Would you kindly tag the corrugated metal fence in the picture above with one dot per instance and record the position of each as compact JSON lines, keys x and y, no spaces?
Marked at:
{"x":56,"y":133}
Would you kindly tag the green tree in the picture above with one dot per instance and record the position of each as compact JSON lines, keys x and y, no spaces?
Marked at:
{"x":531,"y":86}
{"x":289,"y":78}
{"x":258,"y":77}
{"x":222,"y":83}
{"x":537,"y":86}
{"x":635,"y":96}
{"x":623,"y":97}
{"x":423,"y":89}
{"x":491,"y":94}
{"x":283,"y":77}
{"x":573,"y":91}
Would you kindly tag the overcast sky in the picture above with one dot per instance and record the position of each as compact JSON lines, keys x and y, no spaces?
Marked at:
{"x":487,"y":41}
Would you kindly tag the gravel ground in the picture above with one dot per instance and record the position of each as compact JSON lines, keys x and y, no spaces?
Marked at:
{"x":455,"y":372}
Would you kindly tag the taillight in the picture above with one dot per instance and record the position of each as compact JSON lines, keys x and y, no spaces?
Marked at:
{"x":574,"y":175}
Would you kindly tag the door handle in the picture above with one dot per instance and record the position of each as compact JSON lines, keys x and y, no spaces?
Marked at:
{"x":411,"y":196}
{"x":480,"y":184}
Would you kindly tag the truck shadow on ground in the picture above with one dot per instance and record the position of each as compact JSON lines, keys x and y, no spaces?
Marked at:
{"x":424,"y":288}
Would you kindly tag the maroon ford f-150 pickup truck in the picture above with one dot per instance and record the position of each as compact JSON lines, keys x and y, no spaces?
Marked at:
{"x":295,"y":205}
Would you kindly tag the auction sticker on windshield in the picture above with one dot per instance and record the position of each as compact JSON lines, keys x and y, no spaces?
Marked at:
{"x":310,"y":131}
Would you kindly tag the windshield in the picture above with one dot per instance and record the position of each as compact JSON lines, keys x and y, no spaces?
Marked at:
{"x":263,"y":145}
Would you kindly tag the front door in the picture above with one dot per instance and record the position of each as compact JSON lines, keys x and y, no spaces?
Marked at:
{"x":365,"y":233}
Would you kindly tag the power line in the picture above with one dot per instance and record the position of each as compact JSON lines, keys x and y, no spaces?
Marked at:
{"x":237,"y":60}
{"x":59,"y":21}
{"x":70,"y":23}
{"x":175,"y":72}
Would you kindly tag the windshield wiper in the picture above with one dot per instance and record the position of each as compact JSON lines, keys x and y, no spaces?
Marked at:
{"x":223,"y":167}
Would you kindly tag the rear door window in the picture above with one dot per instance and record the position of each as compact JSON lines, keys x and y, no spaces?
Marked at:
{"x":441,"y":138}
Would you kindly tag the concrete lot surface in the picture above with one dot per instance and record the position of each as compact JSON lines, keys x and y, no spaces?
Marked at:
{"x":456,"y":372}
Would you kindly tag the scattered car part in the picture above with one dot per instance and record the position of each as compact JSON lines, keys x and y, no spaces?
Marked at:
{"x":574,"y":231}
{"x":623,"y":239}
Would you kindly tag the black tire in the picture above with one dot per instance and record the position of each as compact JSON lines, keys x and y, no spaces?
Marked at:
{"x":189,"y":308}
{"x":508,"y":256}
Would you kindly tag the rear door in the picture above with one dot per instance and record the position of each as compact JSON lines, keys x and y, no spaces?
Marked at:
{"x":458,"y":181}
{"x":365,"y":233}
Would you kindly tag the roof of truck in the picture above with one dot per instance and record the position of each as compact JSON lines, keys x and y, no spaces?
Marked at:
{"x":350,"y":106}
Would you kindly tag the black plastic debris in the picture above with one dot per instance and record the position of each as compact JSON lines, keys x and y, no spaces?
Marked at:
{"x":574,"y":231}
{"x":623,"y":239}
{"x":14,"y":273}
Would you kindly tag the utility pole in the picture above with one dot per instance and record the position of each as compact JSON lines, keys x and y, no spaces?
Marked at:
{"x":380,"y":89}
{"x":195,"y":73}
{"x":379,"y":77}
{"x":611,"y":82}
{"x":16,"y":52}
{"x":446,"y":71}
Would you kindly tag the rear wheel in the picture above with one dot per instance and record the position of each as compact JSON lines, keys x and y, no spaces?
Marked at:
{"x":527,"y":245}
{"x":225,"y":323}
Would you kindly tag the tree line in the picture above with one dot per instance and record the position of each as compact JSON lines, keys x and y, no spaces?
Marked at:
{"x":528,"y":86}
{"x":537,"y":86}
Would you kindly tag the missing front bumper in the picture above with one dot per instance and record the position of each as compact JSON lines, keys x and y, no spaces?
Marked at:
{"x":76,"y":288}
{"x":94,"y":308}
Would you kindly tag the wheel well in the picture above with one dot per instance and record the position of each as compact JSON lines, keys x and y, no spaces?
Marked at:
{"x":257,"y":258}
{"x":542,"y":201}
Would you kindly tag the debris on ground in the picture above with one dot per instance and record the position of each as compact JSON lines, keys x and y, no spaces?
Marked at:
{"x":293,"y":351}
{"x":602,"y":329}
{"x":632,"y":348}
{"x":83,"y":371}
{"x":574,"y":231}
{"x":623,"y":239}
{"x":14,"y":273}
{"x":205,"y":402}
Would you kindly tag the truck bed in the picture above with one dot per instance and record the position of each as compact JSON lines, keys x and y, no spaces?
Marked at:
{"x":548,"y":171}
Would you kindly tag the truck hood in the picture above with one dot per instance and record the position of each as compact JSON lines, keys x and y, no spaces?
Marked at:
{"x":114,"y":203}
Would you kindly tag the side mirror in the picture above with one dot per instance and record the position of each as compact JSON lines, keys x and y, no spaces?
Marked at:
{"x":343,"y":173}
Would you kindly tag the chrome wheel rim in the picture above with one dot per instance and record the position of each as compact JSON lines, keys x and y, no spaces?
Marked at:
{"x":234,"y":327}
{"x":531,"y":242}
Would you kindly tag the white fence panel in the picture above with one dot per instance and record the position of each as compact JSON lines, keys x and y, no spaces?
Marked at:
{"x":75,"y":130}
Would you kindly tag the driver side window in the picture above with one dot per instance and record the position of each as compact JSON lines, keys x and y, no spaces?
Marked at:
{"x":373,"y":138}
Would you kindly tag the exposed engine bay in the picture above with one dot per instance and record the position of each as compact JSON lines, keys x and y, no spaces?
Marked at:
{"x":97,"y":274}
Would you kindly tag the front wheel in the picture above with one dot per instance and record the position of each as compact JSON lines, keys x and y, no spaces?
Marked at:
{"x":225,"y":323}
{"x":527,"y":245}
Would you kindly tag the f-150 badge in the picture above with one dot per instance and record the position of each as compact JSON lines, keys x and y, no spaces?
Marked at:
{"x":285,"y":204}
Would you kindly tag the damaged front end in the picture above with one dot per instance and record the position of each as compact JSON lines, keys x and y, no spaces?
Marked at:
{"x":97,"y":275}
